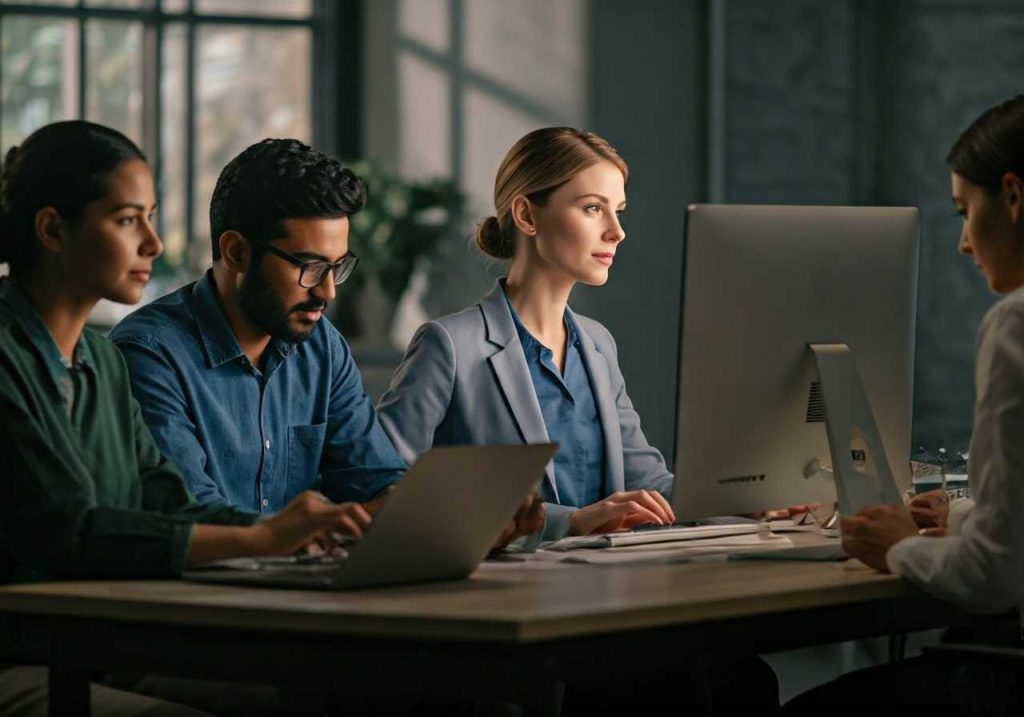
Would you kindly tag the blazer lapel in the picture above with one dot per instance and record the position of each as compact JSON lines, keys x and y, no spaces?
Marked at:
{"x":513,"y":375}
{"x":605,"y":400}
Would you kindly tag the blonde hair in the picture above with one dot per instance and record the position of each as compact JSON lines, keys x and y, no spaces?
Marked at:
{"x":538,"y":164}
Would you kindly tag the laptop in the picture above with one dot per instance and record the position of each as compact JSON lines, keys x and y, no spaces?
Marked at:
{"x":438,"y":524}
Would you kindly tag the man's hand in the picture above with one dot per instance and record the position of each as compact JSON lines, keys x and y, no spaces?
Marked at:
{"x":868,"y":535}
{"x":377,"y":502}
{"x":529,"y":519}
{"x":622,"y":510}
{"x":309,"y":518}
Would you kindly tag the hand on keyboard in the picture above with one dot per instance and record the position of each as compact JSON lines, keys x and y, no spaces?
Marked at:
{"x":623,"y":509}
{"x":663,"y":526}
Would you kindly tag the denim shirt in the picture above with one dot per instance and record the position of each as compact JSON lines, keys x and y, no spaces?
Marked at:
{"x":570,"y":415}
{"x":249,"y":437}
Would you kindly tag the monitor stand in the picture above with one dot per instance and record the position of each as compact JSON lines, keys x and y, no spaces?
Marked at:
{"x":862,"y":473}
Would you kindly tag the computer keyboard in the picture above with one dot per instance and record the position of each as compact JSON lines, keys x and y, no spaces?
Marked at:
{"x":664,"y":526}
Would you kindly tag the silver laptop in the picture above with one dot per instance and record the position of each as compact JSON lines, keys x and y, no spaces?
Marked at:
{"x":438,"y":524}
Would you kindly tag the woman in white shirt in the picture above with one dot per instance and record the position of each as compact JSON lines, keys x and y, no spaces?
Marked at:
{"x":978,"y":562}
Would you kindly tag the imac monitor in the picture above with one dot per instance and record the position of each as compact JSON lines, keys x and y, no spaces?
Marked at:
{"x":762,"y":285}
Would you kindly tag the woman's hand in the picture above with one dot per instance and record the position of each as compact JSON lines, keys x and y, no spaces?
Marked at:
{"x":931,"y":509}
{"x":624,"y":509}
{"x":868,"y":535}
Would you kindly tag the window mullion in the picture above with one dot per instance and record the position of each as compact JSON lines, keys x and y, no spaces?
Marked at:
{"x":152,"y":105}
{"x":82,"y":69}
{"x":456,"y":89}
{"x":190,"y":126}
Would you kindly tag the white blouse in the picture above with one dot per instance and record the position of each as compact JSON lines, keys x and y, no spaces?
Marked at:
{"x":980,"y":564}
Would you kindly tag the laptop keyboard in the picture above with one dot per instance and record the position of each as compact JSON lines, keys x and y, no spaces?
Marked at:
{"x":325,"y":559}
{"x":297,"y":563}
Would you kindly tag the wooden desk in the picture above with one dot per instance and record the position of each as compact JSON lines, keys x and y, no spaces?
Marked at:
{"x":511,"y":624}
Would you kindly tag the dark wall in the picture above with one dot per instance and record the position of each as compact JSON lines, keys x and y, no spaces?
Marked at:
{"x":647,"y":98}
{"x":811,"y":102}
{"x":858,"y":102}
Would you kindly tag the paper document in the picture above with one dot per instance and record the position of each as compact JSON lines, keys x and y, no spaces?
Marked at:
{"x":667,"y":552}
{"x":658,"y":535}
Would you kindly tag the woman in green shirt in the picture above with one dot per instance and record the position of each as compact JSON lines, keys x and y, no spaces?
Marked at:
{"x":83,"y":489}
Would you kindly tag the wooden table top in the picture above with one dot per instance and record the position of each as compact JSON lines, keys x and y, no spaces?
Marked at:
{"x":502,"y":602}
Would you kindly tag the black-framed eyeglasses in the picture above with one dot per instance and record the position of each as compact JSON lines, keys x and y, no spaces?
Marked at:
{"x":312,"y":273}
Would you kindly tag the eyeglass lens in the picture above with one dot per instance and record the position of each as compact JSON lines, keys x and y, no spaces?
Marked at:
{"x":314,"y":272}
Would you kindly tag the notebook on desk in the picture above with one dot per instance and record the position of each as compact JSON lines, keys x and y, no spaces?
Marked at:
{"x":438,"y":524}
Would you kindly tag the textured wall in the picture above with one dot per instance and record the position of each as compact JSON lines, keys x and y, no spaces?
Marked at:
{"x":647,"y":98}
{"x":790,"y":102}
{"x":824,"y":102}
{"x":942,"y":64}
{"x":857,"y":102}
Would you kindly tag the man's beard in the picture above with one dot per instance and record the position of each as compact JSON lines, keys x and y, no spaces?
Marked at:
{"x":262,"y":307}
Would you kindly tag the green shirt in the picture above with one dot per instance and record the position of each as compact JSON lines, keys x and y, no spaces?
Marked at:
{"x":84,"y":490}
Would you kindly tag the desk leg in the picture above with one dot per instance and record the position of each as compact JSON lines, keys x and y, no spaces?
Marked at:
{"x":897,"y":646}
{"x":68,"y":692}
{"x":548,"y":700}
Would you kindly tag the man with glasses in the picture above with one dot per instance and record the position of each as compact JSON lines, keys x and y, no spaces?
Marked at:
{"x":244,"y":386}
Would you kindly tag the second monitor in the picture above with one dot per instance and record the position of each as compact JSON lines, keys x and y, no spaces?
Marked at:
{"x":761,"y":285}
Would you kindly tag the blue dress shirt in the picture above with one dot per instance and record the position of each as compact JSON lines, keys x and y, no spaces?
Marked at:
{"x":248,"y":437}
{"x":570,"y":415}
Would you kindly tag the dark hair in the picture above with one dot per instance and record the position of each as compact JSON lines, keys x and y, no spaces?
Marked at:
{"x":64,"y":165}
{"x":538,"y":164}
{"x":992,"y":146}
{"x":279,"y":179}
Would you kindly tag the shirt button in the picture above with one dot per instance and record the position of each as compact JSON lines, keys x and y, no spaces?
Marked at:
{"x":265,"y":502}
{"x":267,"y":444}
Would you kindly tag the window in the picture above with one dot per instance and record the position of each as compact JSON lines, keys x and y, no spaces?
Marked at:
{"x":480,"y":74}
{"x":193,"y":82}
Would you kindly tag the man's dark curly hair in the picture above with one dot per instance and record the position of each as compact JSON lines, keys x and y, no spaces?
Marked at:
{"x":279,"y":179}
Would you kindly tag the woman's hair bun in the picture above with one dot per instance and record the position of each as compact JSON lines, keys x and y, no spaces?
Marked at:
{"x":9,"y":157}
{"x":6,"y":230}
{"x":492,"y":240}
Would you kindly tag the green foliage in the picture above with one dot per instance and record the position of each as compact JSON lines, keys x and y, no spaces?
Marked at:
{"x":402,"y":221}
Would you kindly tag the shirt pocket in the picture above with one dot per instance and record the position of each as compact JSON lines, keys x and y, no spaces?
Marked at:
{"x":305,"y":447}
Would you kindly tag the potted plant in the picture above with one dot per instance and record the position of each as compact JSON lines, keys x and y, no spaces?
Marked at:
{"x":403,"y":224}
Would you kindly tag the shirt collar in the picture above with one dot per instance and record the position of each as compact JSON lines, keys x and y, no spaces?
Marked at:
{"x":219,"y":340}
{"x":25,"y":313}
{"x":526,"y":338}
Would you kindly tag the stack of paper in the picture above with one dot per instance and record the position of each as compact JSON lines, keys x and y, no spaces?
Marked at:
{"x":667,"y":552}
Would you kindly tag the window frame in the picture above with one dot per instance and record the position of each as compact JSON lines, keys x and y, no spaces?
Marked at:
{"x":335,"y":64}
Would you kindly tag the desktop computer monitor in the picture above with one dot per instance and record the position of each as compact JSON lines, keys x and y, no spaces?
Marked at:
{"x":761,"y":285}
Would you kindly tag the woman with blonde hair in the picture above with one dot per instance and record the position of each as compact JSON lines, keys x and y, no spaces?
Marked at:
{"x":520,"y":365}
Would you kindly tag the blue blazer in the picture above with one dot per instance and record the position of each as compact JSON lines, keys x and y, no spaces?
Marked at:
{"x":464,"y":380}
